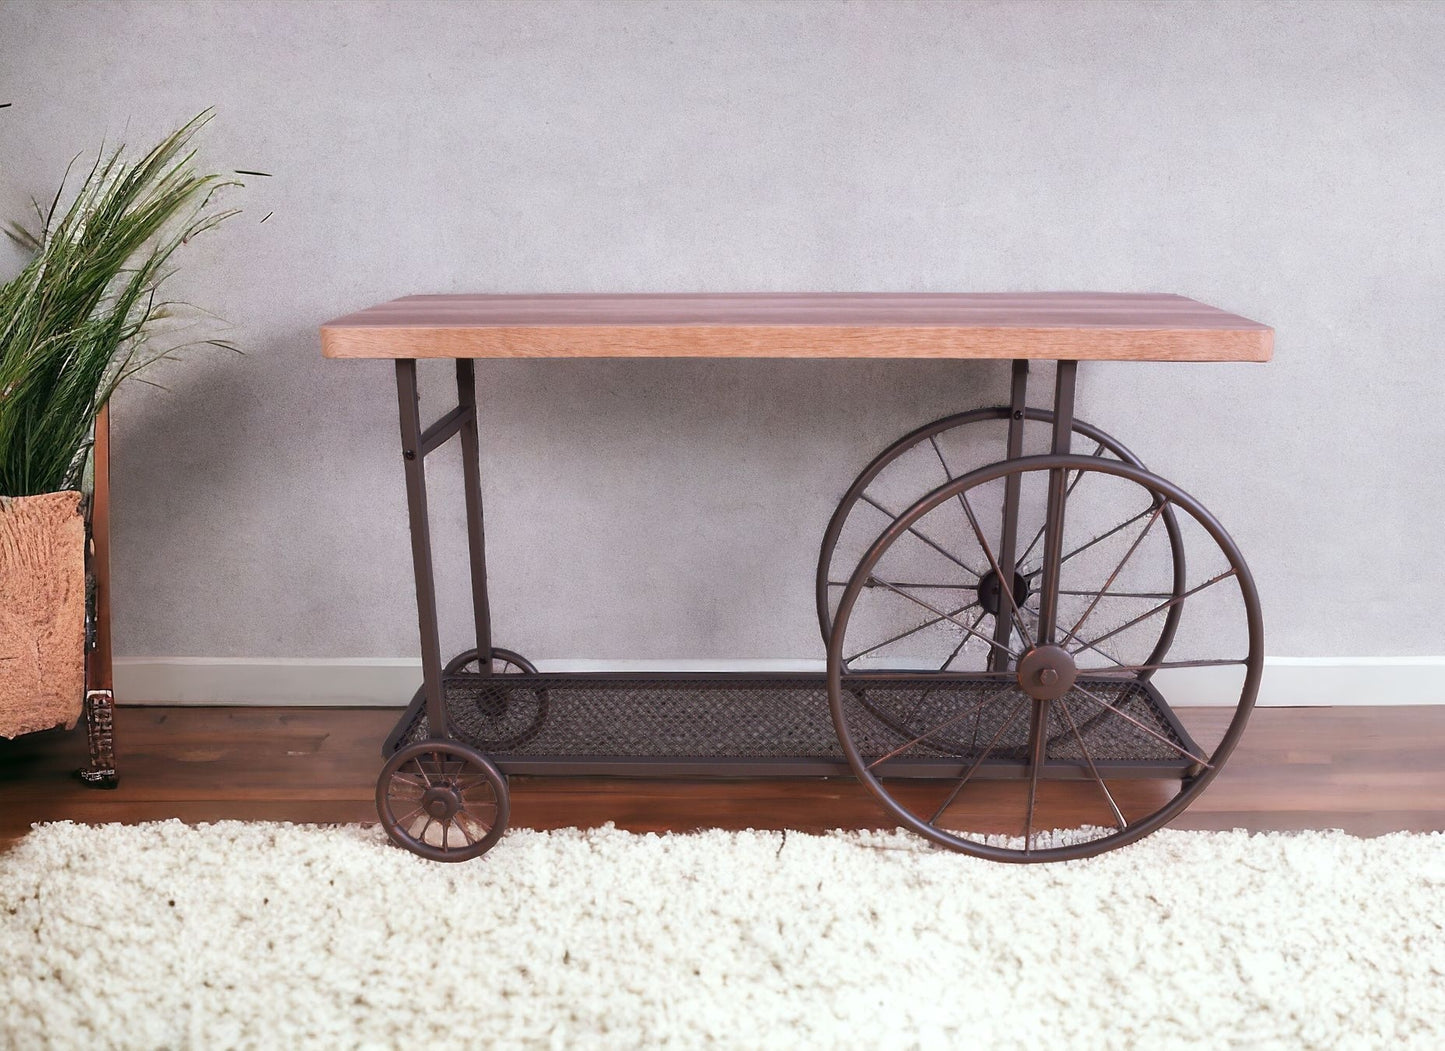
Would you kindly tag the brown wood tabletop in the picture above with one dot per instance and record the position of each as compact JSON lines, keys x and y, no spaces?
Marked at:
{"x":1120,"y":326}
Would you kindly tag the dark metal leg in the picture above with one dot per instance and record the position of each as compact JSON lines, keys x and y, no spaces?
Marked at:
{"x":476,"y":539}
{"x":1054,"y":527}
{"x":1008,"y":543}
{"x":100,"y":733}
{"x":413,"y":452}
{"x":1053,"y":562}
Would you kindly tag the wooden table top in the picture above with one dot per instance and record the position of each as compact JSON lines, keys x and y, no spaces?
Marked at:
{"x":1119,"y":326}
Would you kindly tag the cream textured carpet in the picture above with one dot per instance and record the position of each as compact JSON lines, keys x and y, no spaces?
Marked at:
{"x":279,"y":936}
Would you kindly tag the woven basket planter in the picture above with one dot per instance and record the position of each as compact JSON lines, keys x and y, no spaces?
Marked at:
{"x":42,"y":612}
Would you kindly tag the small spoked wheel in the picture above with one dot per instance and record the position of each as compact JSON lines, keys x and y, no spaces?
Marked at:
{"x":445,"y":800}
{"x":442,"y":800}
{"x":1056,"y":726}
{"x":507,"y":713}
{"x":498,"y":716}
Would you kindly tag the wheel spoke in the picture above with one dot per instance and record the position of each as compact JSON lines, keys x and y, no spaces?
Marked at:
{"x":927,"y":540}
{"x":940,"y":727}
{"x":441,"y":771}
{"x":1119,"y":821}
{"x":1029,"y":813}
{"x":1086,"y":645}
{"x":1148,"y":730}
{"x":962,"y":642}
{"x":1120,"y":567}
{"x":1034,"y":777}
{"x":1035,"y":614}
{"x":940,"y":587}
{"x":1005,"y":586}
{"x":944,"y":667}
{"x":405,"y":822}
{"x":1097,"y":540}
{"x":1078,"y":476}
{"x":463,"y":828}
{"x":1038,"y":756}
{"x":1159,"y":609}
{"x":978,"y":761}
{"x":910,"y":631}
{"x":954,"y":619}
{"x":947,"y":474}
{"x":973,"y":737}
{"x":865,"y":676}
{"x":1114,"y":673}
{"x":1121,"y":594}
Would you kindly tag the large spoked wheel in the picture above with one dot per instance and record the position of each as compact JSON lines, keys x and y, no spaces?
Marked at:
{"x":442,"y":800}
{"x":933,"y":455}
{"x":1073,"y":733}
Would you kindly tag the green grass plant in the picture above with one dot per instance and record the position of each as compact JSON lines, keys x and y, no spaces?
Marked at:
{"x":85,"y":313}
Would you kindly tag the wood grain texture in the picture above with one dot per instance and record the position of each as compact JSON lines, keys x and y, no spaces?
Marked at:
{"x":42,"y":612}
{"x":1366,"y":770}
{"x":1049,"y":325}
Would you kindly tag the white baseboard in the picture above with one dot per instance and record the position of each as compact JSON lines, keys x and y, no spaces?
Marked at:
{"x":381,"y":681}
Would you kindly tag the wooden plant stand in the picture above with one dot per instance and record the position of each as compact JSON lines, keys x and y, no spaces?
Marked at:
{"x":100,"y":772}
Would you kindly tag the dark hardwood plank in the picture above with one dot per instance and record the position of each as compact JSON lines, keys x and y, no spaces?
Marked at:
{"x":1367,"y":770}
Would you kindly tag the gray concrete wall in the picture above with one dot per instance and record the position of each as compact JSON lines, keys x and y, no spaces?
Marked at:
{"x":1279,"y":160}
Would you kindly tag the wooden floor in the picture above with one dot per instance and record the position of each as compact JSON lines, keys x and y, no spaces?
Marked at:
{"x":1366,"y":770}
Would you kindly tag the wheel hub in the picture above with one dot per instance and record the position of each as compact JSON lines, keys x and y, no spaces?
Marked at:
{"x":990,"y":595}
{"x":441,"y":803}
{"x":1047,"y":672}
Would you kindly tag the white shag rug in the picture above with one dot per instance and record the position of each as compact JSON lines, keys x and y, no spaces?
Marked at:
{"x":281,"y":936}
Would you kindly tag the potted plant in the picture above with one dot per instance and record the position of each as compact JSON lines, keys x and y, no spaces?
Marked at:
{"x":84,"y":315}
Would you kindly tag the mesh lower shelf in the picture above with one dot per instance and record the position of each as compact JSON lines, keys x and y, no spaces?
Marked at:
{"x":748,"y":724}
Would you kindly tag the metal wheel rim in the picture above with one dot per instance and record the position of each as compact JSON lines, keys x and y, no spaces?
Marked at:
{"x":1253,"y":663}
{"x":474,"y":765}
{"x":461,"y":660}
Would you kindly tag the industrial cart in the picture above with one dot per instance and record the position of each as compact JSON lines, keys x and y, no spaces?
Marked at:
{"x":1031,"y":656}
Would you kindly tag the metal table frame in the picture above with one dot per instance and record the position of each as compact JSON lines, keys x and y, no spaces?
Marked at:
{"x":417,"y":442}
